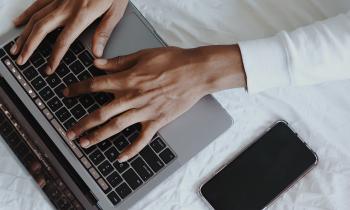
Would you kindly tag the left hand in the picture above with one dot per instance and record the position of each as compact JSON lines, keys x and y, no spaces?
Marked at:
{"x":154,"y":87}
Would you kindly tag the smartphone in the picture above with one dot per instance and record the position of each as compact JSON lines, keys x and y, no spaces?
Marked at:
{"x":264,"y":170}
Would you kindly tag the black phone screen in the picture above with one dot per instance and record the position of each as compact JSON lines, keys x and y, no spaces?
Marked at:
{"x":261,"y":172}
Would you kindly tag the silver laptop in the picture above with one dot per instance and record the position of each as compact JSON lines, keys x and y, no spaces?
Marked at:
{"x":34,"y":117}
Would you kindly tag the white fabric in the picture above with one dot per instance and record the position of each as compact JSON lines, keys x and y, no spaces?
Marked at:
{"x":309,"y":55}
{"x":320,"y":114}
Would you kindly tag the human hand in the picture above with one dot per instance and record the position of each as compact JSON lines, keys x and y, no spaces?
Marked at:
{"x":154,"y":87}
{"x":36,"y":172}
{"x":44,"y":16}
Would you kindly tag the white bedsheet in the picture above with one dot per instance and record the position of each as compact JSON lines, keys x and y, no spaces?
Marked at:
{"x":320,"y":114}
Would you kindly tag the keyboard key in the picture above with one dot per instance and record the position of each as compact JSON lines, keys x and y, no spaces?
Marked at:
{"x":90,"y":149}
{"x":86,"y":58}
{"x":38,"y":83}
{"x":62,"y":70}
{"x":24,"y":66}
{"x":54,"y":104}
{"x":96,"y":157}
{"x":102,"y":98}
{"x":69,"y":57}
{"x":47,"y":114}
{"x":30,"y":73}
{"x":69,"y":79}
{"x":167,"y":155}
{"x":37,"y":60}
{"x":123,"y":190}
{"x":114,"y":179}
{"x":133,"y":137}
{"x":151,"y":159}
{"x":94,"y":173}
{"x":114,"y":198}
{"x":42,"y":72}
{"x":84,"y":76}
{"x":104,"y":186}
{"x":105,"y":168}
{"x":112,"y":154}
{"x":70,"y":102}
{"x":7,"y":48}
{"x":77,"y":47}
{"x":45,"y":49}
{"x":157,"y":145}
{"x":59,"y":90}
{"x":63,"y":114}
{"x":86,"y":100}
{"x":46,"y":93}
{"x":142,"y":169}
{"x":96,"y":72}
{"x":121,"y":167}
{"x":76,"y":67}
{"x":104,"y":145}
{"x":132,"y":179}
{"x":120,"y":142}
{"x":78,"y":111}
{"x":85,"y":162}
{"x":131,"y":129}
{"x":93,"y":108}
{"x":53,"y":80}
{"x":69,"y":123}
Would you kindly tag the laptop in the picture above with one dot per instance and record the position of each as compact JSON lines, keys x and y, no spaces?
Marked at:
{"x":34,"y":117}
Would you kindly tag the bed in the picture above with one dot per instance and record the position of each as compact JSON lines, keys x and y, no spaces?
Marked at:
{"x":320,"y":114}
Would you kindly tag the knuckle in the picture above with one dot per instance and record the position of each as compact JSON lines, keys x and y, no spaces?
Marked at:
{"x":117,"y":123}
{"x":103,"y":35}
{"x":100,"y":115}
{"x":61,"y":42}
{"x":91,"y":84}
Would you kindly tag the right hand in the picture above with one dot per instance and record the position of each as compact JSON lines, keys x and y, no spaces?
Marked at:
{"x":44,"y":16}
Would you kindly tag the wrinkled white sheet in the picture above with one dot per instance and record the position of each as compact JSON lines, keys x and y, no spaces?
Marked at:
{"x":320,"y":114}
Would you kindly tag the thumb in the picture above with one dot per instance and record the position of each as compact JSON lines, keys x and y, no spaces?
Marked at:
{"x":105,"y":29}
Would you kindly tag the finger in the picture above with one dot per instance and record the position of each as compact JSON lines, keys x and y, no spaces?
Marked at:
{"x":99,"y":117}
{"x":105,"y":83}
{"x":65,"y":39}
{"x":104,"y":30}
{"x":30,"y":11}
{"x":16,"y":48}
{"x":38,"y":33}
{"x":119,"y":63}
{"x":114,"y":126}
{"x":149,"y":129}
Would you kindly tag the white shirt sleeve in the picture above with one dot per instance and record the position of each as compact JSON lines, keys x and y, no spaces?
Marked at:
{"x":309,"y":55}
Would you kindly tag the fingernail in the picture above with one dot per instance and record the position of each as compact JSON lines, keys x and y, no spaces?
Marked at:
{"x":66,"y":92}
{"x":13,"y":49}
{"x":99,"y":50}
{"x":122,"y":158}
{"x":100,"y":61}
{"x":70,"y":135}
{"x":84,"y":142}
{"x":48,"y":70}
{"x":19,"y":60}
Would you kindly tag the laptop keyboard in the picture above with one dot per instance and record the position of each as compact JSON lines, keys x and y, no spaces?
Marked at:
{"x":117,"y":180}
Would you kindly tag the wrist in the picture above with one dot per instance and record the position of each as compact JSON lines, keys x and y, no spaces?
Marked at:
{"x":224,"y":69}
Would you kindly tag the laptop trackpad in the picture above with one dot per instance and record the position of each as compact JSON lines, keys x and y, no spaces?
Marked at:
{"x":129,"y":36}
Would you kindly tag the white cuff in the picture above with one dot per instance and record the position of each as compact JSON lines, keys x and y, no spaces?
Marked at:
{"x":265,"y":63}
